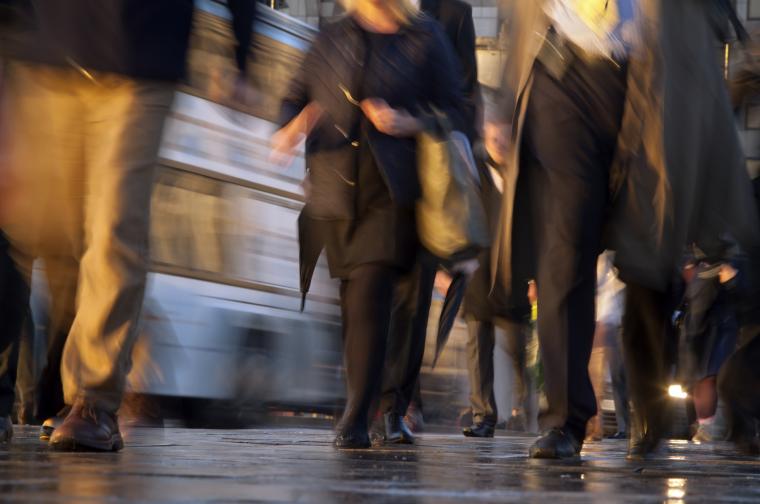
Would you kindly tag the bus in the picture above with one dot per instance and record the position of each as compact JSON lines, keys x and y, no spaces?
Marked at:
{"x":223,"y":333}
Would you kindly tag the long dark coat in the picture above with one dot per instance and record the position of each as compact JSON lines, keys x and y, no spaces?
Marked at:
{"x":420,"y":71}
{"x":679,"y":175}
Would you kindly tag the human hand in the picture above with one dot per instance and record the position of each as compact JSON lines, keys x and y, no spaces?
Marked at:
{"x":284,"y":142}
{"x":442,"y":282}
{"x":727,"y":273}
{"x":393,"y":122}
{"x":286,"y":139}
{"x":532,"y":292}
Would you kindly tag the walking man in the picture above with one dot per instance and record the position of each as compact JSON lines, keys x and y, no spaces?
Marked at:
{"x":87,"y":94}
{"x":599,"y":148}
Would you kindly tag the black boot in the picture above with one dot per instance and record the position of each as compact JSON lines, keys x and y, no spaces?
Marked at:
{"x":479,"y":429}
{"x":645,"y":437}
{"x":556,"y":444}
{"x":351,"y":438}
{"x":391,"y":429}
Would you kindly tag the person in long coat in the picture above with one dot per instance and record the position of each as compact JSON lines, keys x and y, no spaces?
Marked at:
{"x":363,"y":93}
{"x":676,"y":175}
{"x":406,"y":345}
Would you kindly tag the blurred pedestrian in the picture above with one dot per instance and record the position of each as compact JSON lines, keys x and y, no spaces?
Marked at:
{"x":566,"y":131}
{"x":606,"y":150}
{"x":710,"y":333}
{"x":88,"y":91}
{"x":360,"y":98}
{"x":606,"y":356}
{"x":406,"y":345}
{"x":13,"y":312}
{"x":487,"y":309}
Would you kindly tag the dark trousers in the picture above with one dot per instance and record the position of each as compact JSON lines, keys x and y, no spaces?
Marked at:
{"x":366,"y":302}
{"x":481,"y":340}
{"x":571,"y":130}
{"x":406,"y":340}
{"x":62,"y":275}
{"x":645,"y":350}
{"x":14,"y":302}
{"x":614,"y":356}
{"x":739,"y":386}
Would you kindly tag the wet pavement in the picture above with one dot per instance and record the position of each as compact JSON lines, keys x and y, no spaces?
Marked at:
{"x":285,"y":465}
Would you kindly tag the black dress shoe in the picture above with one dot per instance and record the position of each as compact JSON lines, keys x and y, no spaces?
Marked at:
{"x":643,"y":447}
{"x":481,"y":429}
{"x":555,"y":444}
{"x":390,"y":429}
{"x":351,"y":439}
{"x":6,"y":429}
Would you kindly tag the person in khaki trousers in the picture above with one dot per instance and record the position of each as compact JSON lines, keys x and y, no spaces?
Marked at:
{"x":87,"y":94}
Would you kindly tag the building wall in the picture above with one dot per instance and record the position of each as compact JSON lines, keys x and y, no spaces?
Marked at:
{"x":485,"y":17}
{"x":749,"y":114}
{"x":484,"y":13}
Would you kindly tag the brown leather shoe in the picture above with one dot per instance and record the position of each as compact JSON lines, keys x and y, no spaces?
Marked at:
{"x":87,"y":428}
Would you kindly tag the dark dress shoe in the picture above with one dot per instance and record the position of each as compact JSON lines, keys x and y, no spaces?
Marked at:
{"x":643,"y":448}
{"x":391,"y":430}
{"x":351,"y":439}
{"x":87,"y":428}
{"x":555,"y":444}
{"x":619,"y":435}
{"x":481,"y":429}
{"x":6,"y":429}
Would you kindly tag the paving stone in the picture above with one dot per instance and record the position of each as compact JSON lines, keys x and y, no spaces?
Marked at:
{"x":287,"y":465}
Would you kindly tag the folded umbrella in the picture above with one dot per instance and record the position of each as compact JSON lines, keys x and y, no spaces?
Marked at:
{"x":310,"y":245}
{"x":449,"y":311}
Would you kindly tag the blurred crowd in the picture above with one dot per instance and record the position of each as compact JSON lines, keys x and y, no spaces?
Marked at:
{"x":592,"y":218}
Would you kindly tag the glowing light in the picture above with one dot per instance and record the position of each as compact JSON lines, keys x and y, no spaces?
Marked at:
{"x":676,"y":488}
{"x":677,"y":391}
{"x":676,"y":493}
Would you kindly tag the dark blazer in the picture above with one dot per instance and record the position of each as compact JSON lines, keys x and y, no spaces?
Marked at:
{"x":455,"y":17}
{"x":484,"y":301}
{"x":418,"y":70}
{"x":138,"y":38}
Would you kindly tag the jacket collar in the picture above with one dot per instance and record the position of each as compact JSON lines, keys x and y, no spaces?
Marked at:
{"x":431,"y":7}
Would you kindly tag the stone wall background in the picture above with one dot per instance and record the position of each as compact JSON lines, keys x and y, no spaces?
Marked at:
{"x":484,"y":13}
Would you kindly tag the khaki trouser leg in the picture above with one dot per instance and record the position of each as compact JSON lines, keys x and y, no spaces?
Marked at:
{"x":125,"y":120}
{"x":82,"y":154}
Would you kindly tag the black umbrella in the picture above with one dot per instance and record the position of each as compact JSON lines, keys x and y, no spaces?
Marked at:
{"x":310,"y":245}
{"x":449,"y":311}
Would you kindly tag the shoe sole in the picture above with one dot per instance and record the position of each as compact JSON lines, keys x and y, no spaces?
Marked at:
{"x":402,"y":441}
{"x":46,"y":433}
{"x":550,"y":455}
{"x":352,"y":446}
{"x":378,"y":442}
{"x":473,"y":435}
{"x":74,"y":445}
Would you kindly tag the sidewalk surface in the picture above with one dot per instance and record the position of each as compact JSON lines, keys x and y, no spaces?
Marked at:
{"x":285,"y":465}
